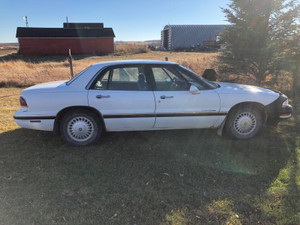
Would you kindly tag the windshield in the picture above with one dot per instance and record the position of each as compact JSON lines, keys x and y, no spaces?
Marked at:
{"x":201,"y":80}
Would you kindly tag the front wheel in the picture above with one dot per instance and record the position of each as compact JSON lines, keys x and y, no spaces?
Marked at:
{"x":80,"y":128}
{"x":244,"y":122}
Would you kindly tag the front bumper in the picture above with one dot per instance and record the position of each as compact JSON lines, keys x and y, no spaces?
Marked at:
{"x":286,"y":112}
{"x":277,"y":111}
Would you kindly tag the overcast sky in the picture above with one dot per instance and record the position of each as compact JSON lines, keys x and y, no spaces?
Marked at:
{"x":131,"y":20}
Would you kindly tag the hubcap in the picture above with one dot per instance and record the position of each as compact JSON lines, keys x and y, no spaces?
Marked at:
{"x":245,"y":123}
{"x":80,"y":128}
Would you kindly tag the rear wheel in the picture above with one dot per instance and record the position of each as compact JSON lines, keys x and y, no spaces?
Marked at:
{"x":80,"y":128}
{"x":244,"y":122}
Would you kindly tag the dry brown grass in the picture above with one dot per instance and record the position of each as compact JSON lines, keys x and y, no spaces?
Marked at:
{"x":4,"y":50}
{"x":131,"y":47}
{"x":197,"y":62}
{"x":25,"y":71}
{"x":19,"y":73}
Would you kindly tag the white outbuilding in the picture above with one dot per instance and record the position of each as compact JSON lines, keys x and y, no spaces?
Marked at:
{"x":183,"y":36}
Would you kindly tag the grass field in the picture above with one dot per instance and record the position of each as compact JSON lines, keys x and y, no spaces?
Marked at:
{"x":161,"y":177}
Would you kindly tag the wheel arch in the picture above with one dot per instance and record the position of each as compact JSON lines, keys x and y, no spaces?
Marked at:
{"x":257,"y":105}
{"x":64,"y":111}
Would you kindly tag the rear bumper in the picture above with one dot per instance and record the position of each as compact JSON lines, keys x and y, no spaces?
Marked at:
{"x":36,"y":124}
{"x":45,"y":123}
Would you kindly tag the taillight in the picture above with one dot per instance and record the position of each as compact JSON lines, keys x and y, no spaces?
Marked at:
{"x":23,"y":102}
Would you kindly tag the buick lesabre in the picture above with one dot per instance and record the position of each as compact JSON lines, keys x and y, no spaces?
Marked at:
{"x":146,"y":95}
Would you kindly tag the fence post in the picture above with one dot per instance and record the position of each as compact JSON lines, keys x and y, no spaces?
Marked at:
{"x":71,"y":63}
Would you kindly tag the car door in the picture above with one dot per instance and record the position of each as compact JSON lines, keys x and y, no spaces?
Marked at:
{"x":123,"y":97}
{"x":179,"y":106}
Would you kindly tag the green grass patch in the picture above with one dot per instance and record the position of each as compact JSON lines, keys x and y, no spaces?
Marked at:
{"x":161,"y":177}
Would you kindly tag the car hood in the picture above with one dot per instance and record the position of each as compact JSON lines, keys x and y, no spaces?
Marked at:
{"x":232,"y":88}
{"x":45,"y":87}
{"x":232,"y":94}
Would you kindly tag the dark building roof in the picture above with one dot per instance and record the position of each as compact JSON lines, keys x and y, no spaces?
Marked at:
{"x":63,"y":32}
{"x":84,"y":25}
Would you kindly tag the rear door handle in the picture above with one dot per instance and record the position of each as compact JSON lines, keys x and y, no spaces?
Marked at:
{"x":164,"y":97}
{"x":102,"y":96}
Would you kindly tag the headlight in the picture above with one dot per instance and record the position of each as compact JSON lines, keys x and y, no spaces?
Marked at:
{"x":285,"y":103}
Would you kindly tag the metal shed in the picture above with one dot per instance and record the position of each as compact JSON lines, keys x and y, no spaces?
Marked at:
{"x":183,"y":36}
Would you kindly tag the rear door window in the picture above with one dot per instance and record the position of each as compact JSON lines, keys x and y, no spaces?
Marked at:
{"x":130,"y":78}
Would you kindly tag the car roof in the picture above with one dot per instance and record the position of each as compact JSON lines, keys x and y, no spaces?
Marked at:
{"x":128,"y":62}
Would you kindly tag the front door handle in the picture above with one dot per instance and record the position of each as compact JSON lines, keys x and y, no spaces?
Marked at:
{"x":164,"y":97}
{"x":102,"y":96}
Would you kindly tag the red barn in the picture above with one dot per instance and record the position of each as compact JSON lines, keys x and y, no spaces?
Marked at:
{"x":81,"y":38}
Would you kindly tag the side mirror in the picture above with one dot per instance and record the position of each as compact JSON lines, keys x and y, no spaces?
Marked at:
{"x":210,"y":75}
{"x":194,"y":90}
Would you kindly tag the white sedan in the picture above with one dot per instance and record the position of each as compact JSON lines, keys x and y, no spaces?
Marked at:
{"x":146,"y":95}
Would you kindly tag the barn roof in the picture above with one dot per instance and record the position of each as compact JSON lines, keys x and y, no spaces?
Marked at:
{"x":84,"y":25}
{"x":63,"y":32}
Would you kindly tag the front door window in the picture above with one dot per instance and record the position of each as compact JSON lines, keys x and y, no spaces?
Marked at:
{"x":166,"y":80}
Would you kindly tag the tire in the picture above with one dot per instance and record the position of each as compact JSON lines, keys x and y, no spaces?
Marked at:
{"x":80,"y":128}
{"x":244,"y":122}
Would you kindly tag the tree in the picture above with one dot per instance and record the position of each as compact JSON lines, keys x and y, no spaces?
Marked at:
{"x":294,"y":53}
{"x":253,"y":43}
